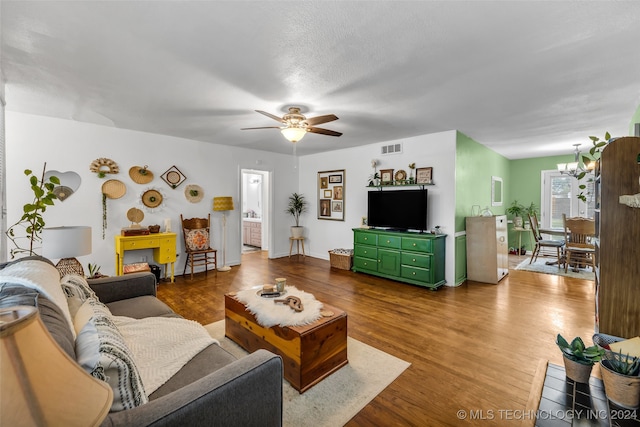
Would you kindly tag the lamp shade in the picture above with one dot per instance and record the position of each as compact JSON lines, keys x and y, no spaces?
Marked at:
{"x":294,"y":134}
{"x":41,"y":385}
{"x":66,"y":242}
{"x":223,"y":203}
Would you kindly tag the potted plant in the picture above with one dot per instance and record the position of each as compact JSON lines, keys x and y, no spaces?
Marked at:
{"x":32,"y":220}
{"x":297,"y":205}
{"x":517,"y":210}
{"x":578,"y":359}
{"x":531,"y":210}
{"x":621,"y":377}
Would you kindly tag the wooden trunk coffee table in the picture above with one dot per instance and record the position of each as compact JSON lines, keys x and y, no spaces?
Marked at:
{"x":309,"y":353}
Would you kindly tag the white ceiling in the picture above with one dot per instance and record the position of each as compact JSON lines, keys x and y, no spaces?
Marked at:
{"x":525,"y":78}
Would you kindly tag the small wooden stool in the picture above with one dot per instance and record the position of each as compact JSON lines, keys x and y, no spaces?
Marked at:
{"x":297,"y":240}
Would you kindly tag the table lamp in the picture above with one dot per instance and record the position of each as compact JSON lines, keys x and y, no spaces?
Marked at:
{"x":223,"y":204}
{"x":66,"y":243}
{"x":41,"y":385}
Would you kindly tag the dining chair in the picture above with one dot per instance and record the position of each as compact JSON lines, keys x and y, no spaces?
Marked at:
{"x":197,"y":243}
{"x":542,"y":243}
{"x":579,"y":248}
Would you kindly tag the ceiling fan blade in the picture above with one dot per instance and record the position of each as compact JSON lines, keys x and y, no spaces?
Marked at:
{"x":276,"y":118}
{"x":262,"y":127}
{"x":324,"y":131}
{"x":321,"y":119}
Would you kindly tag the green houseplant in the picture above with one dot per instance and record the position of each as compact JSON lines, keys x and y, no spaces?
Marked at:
{"x":621,"y":377}
{"x":578,"y":358}
{"x":516,"y":210}
{"x":531,"y":210}
{"x":297,"y":205}
{"x":31,"y":219}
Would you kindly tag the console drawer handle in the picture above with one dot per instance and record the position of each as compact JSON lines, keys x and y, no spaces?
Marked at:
{"x":414,"y":260}
{"x":414,"y":244}
{"x":388,"y":241}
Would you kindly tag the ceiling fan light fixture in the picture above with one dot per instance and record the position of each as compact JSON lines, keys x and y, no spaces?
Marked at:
{"x":293,"y":134}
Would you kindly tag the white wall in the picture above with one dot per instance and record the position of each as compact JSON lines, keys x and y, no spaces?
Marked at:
{"x":71,"y":146}
{"x":435,"y":150}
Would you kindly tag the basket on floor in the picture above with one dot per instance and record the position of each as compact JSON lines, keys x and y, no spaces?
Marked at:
{"x":341,"y":258}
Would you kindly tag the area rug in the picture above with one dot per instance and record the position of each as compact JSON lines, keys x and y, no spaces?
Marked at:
{"x":339,"y":397}
{"x":540,"y":266}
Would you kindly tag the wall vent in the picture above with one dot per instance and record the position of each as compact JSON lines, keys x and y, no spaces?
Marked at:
{"x":391,"y":149}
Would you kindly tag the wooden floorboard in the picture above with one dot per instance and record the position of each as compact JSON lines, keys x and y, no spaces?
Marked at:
{"x":474,"y":347}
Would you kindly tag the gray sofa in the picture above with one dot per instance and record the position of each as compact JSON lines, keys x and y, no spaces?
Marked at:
{"x":213,"y":389}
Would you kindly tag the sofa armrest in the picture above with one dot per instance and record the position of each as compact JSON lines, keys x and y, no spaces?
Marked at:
{"x":247,"y":392}
{"x":116,"y":288}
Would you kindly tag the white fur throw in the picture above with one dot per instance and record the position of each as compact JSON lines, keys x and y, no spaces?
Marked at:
{"x":161,"y":346}
{"x":268,"y":313}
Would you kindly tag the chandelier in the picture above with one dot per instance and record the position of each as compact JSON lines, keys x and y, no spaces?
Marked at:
{"x":575,"y":168}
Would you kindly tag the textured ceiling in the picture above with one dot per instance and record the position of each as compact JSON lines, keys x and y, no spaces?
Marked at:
{"x":526,"y":79}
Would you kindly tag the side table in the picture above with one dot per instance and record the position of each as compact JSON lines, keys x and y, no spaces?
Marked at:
{"x":298,"y":240}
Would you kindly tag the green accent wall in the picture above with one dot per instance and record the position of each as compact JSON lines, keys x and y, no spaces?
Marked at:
{"x":475,"y":165}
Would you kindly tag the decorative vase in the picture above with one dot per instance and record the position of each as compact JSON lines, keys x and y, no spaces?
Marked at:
{"x":517,"y":221}
{"x":296,"y":231}
{"x":577,"y":371}
{"x":623,"y":390}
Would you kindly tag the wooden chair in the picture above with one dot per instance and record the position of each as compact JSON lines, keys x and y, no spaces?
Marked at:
{"x":197,"y":244}
{"x":542,"y":243}
{"x":579,"y":249}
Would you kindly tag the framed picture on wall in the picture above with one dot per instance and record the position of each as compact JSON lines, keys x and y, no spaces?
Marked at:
{"x":331,"y":195}
{"x":386,"y":176}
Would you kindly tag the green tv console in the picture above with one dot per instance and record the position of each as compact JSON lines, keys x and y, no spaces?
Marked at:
{"x":416,"y":258}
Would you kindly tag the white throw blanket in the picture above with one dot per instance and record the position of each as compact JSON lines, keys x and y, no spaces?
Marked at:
{"x":42,"y":277}
{"x":161,"y":346}
{"x":268,"y":313}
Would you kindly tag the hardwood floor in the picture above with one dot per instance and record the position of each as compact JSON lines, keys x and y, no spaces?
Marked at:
{"x":473,"y":347}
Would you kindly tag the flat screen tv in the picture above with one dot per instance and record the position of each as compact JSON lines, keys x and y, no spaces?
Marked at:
{"x":398,"y":209}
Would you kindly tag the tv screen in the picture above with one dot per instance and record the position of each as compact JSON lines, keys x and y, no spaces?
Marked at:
{"x":398,"y":209}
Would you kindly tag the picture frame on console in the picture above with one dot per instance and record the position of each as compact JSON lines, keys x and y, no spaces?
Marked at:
{"x":424,"y":175}
{"x":386,"y":176}
{"x":331,"y":194}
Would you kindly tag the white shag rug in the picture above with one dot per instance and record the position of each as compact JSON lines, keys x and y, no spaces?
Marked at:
{"x":540,"y":266}
{"x":269,"y":313}
{"x":339,"y":397}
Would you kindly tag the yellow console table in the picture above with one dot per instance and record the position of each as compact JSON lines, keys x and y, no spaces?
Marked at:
{"x":163,"y":245}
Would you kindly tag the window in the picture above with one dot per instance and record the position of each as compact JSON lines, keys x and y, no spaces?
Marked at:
{"x":560,"y":196}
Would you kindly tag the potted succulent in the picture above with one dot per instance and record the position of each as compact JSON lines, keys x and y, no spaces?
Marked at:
{"x":621,"y":377}
{"x":578,"y":359}
{"x":517,"y":210}
{"x":297,"y":205}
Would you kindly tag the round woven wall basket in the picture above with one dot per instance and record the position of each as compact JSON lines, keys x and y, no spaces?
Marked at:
{"x":135,"y":215}
{"x":140,"y":174}
{"x":114,"y":189}
{"x":152,"y":198}
{"x":194,"y":193}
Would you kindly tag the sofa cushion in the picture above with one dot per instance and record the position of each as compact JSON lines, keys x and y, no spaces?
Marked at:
{"x":12,"y":294}
{"x":207,"y":361}
{"x":141,"y":307}
{"x":39,"y":276}
{"x":102,"y":352}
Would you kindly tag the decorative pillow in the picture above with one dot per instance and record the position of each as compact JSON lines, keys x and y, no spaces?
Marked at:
{"x":102,"y":352}
{"x":198,"y":239}
{"x":77,"y":292}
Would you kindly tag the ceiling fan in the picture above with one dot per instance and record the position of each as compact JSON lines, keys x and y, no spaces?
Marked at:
{"x":296,"y":125}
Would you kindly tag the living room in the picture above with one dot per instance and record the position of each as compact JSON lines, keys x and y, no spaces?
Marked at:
{"x":463,"y":166}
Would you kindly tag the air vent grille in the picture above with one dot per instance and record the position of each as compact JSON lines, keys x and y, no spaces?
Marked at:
{"x":391,"y":149}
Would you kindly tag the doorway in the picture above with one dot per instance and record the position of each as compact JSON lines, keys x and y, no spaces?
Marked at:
{"x":255,"y":199}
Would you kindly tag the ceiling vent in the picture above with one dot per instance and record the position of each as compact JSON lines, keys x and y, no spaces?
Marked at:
{"x":391,"y":149}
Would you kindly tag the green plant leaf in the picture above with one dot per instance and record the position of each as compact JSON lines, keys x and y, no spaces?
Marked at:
{"x":54,"y":179}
